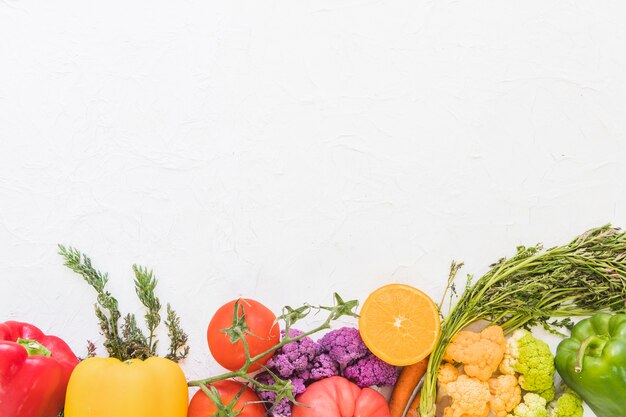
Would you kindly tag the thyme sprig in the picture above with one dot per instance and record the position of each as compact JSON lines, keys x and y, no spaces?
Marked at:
{"x":534,"y":286}
{"x":289,"y":316}
{"x":127,"y":340}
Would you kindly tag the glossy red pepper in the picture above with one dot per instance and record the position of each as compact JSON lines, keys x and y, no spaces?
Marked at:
{"x":34,"y":371}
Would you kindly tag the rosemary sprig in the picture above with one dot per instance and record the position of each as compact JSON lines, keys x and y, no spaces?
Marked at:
{"x":178,"y":338}
{"x":128,"y":341}
{"x":238,"y":330}
{"x":145,"y":284}
{"x":81,"y":264}
{"x":134,"y":343}
{"x":577,"y":279}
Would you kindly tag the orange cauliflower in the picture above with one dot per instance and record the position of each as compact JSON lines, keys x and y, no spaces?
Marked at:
{"x":446,"y":374}
{"x":480,"y":353}
{"x":470,"y":397}
{"x":506,"y":394}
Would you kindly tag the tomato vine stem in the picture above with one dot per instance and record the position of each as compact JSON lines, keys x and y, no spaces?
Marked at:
{"x":290,"y":316}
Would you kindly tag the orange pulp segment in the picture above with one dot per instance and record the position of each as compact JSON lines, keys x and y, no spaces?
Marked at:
{"x":400,"y":324}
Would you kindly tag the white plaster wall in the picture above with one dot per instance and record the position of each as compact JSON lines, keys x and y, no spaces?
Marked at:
{"x":283,"y":150}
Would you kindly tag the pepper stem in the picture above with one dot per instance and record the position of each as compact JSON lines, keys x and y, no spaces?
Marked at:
{"x":584,"y":345}
{"x":33,"y":347}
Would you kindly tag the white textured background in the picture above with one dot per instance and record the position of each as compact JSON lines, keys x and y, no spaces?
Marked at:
{"x":283,"y":150}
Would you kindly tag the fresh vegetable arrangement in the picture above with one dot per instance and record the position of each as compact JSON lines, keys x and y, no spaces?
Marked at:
{"x":496,"y":372}
{"x":577,"y":279}
{"x":403,"y":337}
{"x":279,"y":387}
{"x":133,"y":381}
{"x":340,"y":352}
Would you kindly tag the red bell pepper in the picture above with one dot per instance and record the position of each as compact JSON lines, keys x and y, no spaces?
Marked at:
{"x":34,"y":371}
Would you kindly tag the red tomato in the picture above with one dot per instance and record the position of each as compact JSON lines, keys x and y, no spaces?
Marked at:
{"x":202,"y":406}
{"x":338,"y":397}
{"x":260,"y":322}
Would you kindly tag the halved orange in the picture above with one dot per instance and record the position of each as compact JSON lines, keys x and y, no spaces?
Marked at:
{"x":400,"y":324}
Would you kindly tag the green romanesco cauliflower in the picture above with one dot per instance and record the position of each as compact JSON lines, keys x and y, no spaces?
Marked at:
{"x":568,"y":404}
{"x":533,"y":405}
{"x":532,"y":360}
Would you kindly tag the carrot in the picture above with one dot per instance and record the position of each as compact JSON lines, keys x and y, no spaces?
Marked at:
{"x":408,"y":380}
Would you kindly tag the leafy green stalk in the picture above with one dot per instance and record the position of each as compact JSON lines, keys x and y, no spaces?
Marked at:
{"x":290,"y":316}
{"x":577,"y":279}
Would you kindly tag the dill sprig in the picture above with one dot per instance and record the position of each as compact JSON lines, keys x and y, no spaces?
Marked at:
{"x":128,"y":341}
{"x":534,"y":286}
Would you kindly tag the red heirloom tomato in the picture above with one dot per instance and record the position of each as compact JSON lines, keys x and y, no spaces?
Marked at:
{"x":249,"y":404}
{"x":263,"y":334}
{"x":338,"y":397}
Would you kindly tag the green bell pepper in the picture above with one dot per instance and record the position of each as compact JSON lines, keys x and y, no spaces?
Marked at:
{"x":592,"y":361}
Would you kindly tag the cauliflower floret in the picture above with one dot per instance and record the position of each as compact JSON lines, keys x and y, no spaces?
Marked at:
{"x":470,"y":397}
{"x":506,"y":394}
{"x":568,"y":404}
{"x":323,"y":366}
{"x":446,"y":374}
{"x":370,"y":370}
{"x":480,"y":353}
{"x":294,"y":357}
{"x":344,"y":345}
{"x":534,"y":405}
{"x":532,"y":359}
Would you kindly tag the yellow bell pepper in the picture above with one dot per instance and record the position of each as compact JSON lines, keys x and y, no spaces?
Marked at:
{"x":108,"y":387}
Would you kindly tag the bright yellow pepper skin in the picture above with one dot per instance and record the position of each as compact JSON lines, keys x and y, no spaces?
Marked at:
{"x":108,"y":387}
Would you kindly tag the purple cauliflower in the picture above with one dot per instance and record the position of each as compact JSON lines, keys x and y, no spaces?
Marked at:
{"x":323,"y":367}
{"x":344,"y":345}
{"x":339,"y":352}
{"x":294,"y":357}
{"x":371,"y":370}
{"x":283,"y":407}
